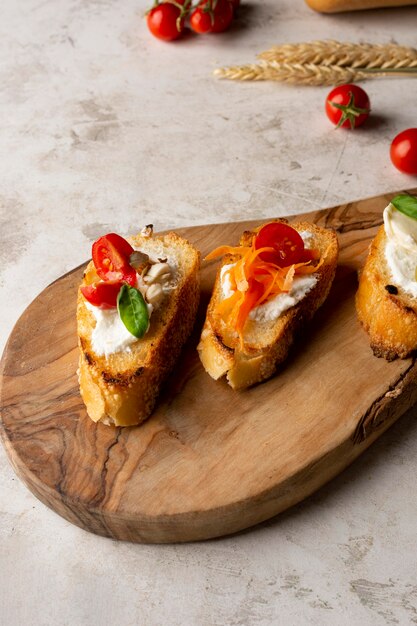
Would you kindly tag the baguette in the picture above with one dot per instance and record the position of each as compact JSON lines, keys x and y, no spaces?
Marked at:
{"x":386,"y":311}
{"x":265,"y":343}
{"x":121,"y":388}
{"x":337,"y":6}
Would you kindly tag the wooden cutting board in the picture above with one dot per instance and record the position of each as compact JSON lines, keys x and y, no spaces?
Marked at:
{"x":210,"y":461}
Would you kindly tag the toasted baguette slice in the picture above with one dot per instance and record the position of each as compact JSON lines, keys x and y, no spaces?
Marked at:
{"x":121,"y":389}
{"x":266,"y":344}
{"x":387,"y":312}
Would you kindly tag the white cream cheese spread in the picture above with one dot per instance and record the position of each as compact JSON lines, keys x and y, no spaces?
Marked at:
{"x":109,"y":334}
{"x":273,"y":308}
{"x":401,"y":249}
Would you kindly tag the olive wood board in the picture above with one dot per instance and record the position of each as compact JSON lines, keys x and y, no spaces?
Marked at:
{"x":210,"y":461}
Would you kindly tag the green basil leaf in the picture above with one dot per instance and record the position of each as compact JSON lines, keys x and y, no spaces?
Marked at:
{"x":406,"y":204}
{"x":133,"y":310}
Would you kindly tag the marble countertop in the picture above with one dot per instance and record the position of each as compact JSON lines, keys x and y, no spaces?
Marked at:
{"x":105,"y":128}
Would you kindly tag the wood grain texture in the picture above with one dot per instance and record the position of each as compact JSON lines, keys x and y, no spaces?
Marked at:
{"x":210,"y":461}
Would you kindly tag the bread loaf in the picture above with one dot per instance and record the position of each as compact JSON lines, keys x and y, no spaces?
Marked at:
{"x":337,"y":6}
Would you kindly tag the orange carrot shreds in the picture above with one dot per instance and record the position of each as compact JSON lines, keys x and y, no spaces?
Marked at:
{"x":225,"y":307}
{"x":231,"y":276}
{"x":254,"y":256}
{"x":253,"y":280}
{"x":240,"y":274}
{"x":268,"y":285}
{"x":252,"y":295}
{"x":307,"y":268}
{"x":289,"y":278}
{"x":264,"y":275}
{"x":235,"y":311}
{"x":222,"y":250}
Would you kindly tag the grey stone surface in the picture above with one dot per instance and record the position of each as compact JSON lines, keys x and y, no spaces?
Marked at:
{"x":105,"y":128}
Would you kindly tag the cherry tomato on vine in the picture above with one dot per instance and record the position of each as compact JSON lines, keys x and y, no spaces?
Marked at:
{"x":212,"y":16}
{"x":111,"y":259}
{"x":165,"y":21}
{"x":403,"y":151}
{"x":201,"y":21}
{"x":348,"y":106}
{"x":223,"y":16}
{"x":286,"y":241}
{"x":102,"y":295}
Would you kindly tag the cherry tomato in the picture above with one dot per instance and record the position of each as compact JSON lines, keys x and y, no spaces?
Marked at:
{"x":111,"y":259}
{"x":347,"y":106}
{"x":102,"y":295}
{"x":165,"y":21}
{"x":403,"y":151}
{"x":212,"y":16}
{"x":201,"y":21}
{"x":223,"y":16}
{"x":235,"y":4}
{"x":286,"y":241}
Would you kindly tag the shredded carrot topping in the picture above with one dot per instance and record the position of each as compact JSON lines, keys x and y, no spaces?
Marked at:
{"x":255,"y":281}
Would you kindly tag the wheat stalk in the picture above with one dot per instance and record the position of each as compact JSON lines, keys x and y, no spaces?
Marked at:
{"x":299,"y":74}
{"x":326,"y":63}
{"x":242,"y":72}
{"x":329,"y":52}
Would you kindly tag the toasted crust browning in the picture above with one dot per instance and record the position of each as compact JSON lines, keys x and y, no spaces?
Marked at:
{"x":387,"y":313}
{"x":122,"y":389}
{"x":266,"y":344}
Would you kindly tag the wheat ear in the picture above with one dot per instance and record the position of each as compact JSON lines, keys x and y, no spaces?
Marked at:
{"x":308,"y":74}
{"x":329,"y":52}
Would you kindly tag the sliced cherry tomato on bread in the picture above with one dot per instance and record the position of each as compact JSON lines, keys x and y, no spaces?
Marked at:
{"x":111,"y":259}
{"x":286,"y":241}
{"x":102,"y":295}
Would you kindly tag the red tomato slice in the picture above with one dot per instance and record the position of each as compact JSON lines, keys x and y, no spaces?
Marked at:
{"x":111,"y":259}
{"x":102,"y":295}
{"x":286,"y":241}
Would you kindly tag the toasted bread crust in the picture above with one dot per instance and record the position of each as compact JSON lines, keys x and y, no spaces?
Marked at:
{"x":387,"y":313}
{"x":122,"y":389}
{"x":266,"y":343}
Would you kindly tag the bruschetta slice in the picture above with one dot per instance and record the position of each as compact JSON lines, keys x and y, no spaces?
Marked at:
{"x":386,"y":300}
{"x":265,"y":291}
{"x":136,"y":308}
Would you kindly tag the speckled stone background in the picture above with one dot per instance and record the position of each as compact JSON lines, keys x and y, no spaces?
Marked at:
{"x":105,"y":128}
